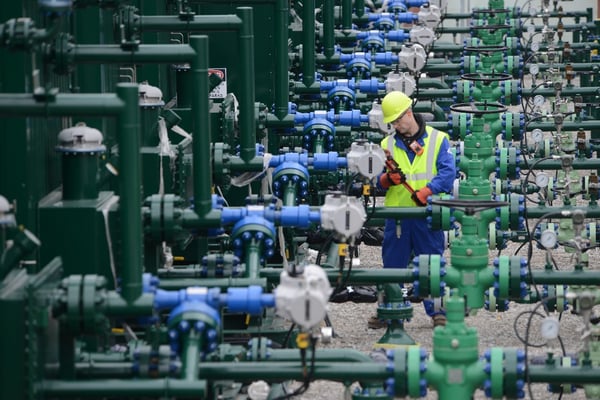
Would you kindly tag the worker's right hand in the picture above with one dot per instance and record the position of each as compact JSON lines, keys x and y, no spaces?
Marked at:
{"x":392,"y":178}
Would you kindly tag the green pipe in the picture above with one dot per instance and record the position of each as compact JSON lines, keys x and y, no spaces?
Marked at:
{"x":363,"y":277}
{"x":252,"y":259}
{"x":322,"y":355}
{"x":557,"y":374}
{"x":223,"y":283}
{"x":247,"y":94}
{"x":432,"y":83}
{"x":328,"y":29}
{"x":431,"y":107}
{"x":116,"y":306}
{"x":282,"y":371}
{"x":281,"y":54}
{"x":308,"y":43}
{"x":346,"y":14}
{"x":565,"y":277}
{"x":202,"y":173}
{"x":398,"y":212}
{"x":168,"y":23}
{"x":567,"y":126}
{"x":562,"y":212}
{"x":24,"y":105}
{"x":582,"y":91}
{"x":130,"y":182}
{"x":289,"y":195}
{"x":126,"y":389}
{"x":430,"y":94}
{"x":577,"y":163}
{"x":359,"y":8}
{"x":114,"y":54}
{"x":189,"y":357}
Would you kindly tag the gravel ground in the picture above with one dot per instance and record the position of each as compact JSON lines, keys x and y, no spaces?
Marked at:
{"x":349,"y":321}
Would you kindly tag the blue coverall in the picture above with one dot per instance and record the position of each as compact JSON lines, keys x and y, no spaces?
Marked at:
{"x":416,"y":237}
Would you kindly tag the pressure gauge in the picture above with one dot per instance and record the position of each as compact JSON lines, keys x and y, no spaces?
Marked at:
{"x":535,"y":47}
{"x":538,"y":100}
{"x":537,"y":135}
{"x":550,"y":327}
{"x":534,"y":69}
{"x":542,"y":179}
{"x":548,"y":239}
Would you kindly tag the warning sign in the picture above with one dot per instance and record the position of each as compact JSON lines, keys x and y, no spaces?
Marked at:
{"x":219,"y":92}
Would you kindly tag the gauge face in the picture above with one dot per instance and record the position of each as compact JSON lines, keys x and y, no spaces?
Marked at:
{"x":538,"y":100}
{"x":535,"y":46}
{"x":548,"y":239}
{"x":549,"y":328}
{"x":537,"y":135}
{"x":533,"y":68}
{"x":541,"y":179}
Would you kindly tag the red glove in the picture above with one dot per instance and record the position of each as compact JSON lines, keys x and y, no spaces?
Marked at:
{"x":420,"y":196}
{"x":392,"y":178}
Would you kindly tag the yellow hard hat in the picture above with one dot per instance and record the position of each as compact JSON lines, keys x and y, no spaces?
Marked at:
{"x":393,"y":105}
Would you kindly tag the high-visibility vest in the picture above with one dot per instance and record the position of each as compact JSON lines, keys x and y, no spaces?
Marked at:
{"x":419,"y":172}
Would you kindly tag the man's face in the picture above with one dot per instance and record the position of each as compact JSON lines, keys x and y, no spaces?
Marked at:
{"x":403,"y":123}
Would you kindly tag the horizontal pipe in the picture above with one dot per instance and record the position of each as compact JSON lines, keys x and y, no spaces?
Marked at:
{"x":556,"y":164}
{"x":25,"y":105}
{"x":565,"y":277}
{"x":130,"y":388}
{"x":282,"y":371}
{"x":167,"y":23}
{"x":223,"y":283}
{"x":153,"y":54}
{"x":555,"y":374}
{"x":356,"y":276}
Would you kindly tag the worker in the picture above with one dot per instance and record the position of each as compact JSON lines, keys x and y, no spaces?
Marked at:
{"x":420,"y":164}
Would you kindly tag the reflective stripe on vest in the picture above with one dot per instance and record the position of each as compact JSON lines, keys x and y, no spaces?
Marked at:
{"x":419,"y":172}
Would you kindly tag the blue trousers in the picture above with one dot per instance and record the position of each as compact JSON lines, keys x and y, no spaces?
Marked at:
{"x":415,"y":239}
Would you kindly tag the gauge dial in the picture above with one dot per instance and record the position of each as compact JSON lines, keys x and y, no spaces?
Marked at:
{"x":537,"y":135}
{"x":534,"y":69}
{"x":548,"y":239}
{"x":535,"y":46}
{"x":549,"y":328}
{"x":542,"y":179}
{"x":538,"y":100}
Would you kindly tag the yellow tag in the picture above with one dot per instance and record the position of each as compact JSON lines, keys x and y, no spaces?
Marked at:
{"x":343,"y":250}
{"x":302,"y":340}
{"x":247,"y":319}
{"x":366,"y":190}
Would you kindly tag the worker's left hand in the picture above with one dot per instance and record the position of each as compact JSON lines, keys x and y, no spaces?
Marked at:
{"x":420,"y":196}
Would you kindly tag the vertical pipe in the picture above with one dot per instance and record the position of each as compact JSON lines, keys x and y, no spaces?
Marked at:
{"x":346,"y":14}
{"x":128,"y":132}
{"x":248,"y":136}
{"x":282,"y":65}
{"x":201,"y":127}
{"x":328,"y":29}
{"x":190,"y":353}
{"x":359,"y":6}
{"x":253,"y":255}
{"x":290,"y":195}
{"x":308,"y":45}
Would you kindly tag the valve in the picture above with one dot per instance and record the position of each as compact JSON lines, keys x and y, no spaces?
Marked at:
{"x":429,"y":15}
{"x":413,"y":57}
{"x":422,"y":35}
{"x":401,"y":81}
{"x":303,"y":297}
{"x":367,"y":159}
{"x":342,"y":214}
